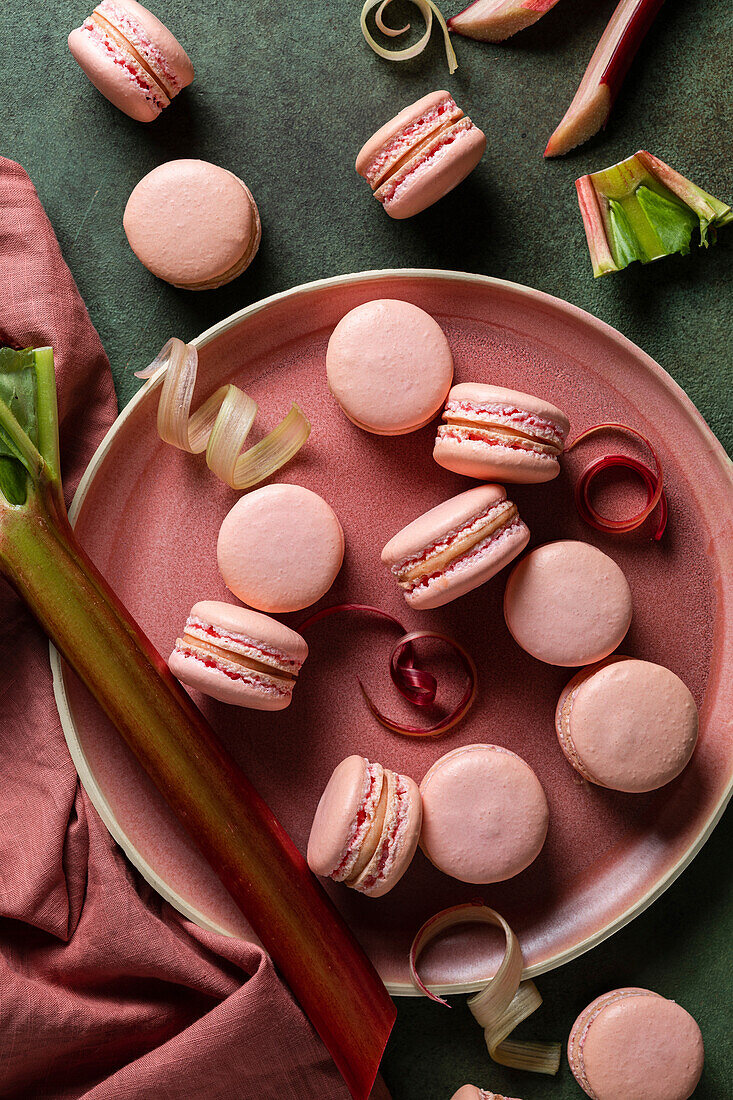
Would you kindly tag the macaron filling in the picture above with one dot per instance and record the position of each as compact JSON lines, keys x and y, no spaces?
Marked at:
{"x":239,"y":657}
{"x":502,"y":425}
{"x":404,"y":144}
{"x":361,"y":826}
{"x":458,"y":546}
{"x":425,"y":158}
{"x":123,"y":54}
{"x":391,"y":839}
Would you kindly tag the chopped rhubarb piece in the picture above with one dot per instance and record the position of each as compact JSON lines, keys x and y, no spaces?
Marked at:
{"x":641,"y":209}
{"x":604,"y":76}
{"x":495,"y":20}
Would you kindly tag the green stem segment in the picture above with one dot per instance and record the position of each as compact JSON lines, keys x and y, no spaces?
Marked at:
{"x":641,"y":209}
{"x":316,"y":954}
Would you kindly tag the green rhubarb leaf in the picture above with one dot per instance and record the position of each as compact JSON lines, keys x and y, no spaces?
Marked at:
{"x":624,"y":243}
{"x":19,"y":425}
{"x":673,"y":223}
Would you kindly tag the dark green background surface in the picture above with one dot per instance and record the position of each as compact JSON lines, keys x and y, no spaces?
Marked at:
{"x":285,"y":94}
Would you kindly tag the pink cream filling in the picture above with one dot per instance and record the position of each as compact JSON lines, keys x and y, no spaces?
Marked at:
{"x":406,"y":138}
{"x":462,"y":434}
{"x":466,"y":559}
{"x":361,"y":824}
{"x":143,"y":44}
{"x":247,"y":676}
{"x":134,"y":71}
{"x":390,"y":843}
{"x":530,"y":423}
{"x":449,"y":537}
{"x":390,"y":188}
{"x":240,"y":643}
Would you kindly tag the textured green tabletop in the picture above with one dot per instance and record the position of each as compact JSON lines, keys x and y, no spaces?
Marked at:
{"x":285,"y":93}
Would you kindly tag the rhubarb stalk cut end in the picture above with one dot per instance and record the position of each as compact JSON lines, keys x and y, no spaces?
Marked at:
{"x":604,"y":76}
{"x":316,"y":954}
{"x":641,"y":209}
{"x":497,"y":20}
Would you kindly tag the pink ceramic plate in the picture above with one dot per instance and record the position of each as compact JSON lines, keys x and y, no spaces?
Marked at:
{"x":149,"y":516}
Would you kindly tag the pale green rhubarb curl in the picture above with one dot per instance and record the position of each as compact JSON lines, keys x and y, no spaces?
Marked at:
{"x":641,"y":209}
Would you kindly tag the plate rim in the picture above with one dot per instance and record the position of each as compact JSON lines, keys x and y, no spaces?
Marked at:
{"x":84,"y":771}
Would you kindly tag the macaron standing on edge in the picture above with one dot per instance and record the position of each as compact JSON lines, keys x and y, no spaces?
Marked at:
{"x":635,"y":1043}
{"x":567,"y":603}
{"x":500,"y":435}
{"x":193,"y":224}
{"x":626,"y":724}
{"x":389,"y":366}
{"x":238,"y":656}
{"x":366,"y":827}
{"x":280,"y":548}
{"x":420,"y":155}
{"x":131,"y":58}
{"x":456,"y":546}
{"x":485,"y":814}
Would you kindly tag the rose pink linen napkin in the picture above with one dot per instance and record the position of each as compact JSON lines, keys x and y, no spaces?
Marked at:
{"x":105,"y":991}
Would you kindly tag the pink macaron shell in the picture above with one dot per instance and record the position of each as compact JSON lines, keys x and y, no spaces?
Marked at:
{"x":192,"y":223}
{"x":632,"y":724}
{"x":399,"y":839}
{"x":254,"y":691}
{"x":243,"y":622}
{"x":475,"y":458}
{"x":389,"y":366}
{"x":472,"y":1092}
{"x":411,"y":125}
{"x":567,"y":603}
{"x":485,"y":814}
{"x":478,"y":393}
{"x":336,"y":826}
{"x":635,"y":1043}
{"x":437,"y":172}
{"x":280,"y":548}
{"x":118,"y":75}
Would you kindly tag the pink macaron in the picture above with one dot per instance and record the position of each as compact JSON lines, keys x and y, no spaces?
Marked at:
{"x":131,"y":58}
{"x":193,"y":224}
{"x":485,"y":815}
{"x":420,"y":155}
{"x":280,"y":548}
{"x":389,"y":366}
{"x":626,"y":724}
{"x":456,"y":546}
{"x":632,"y":1044}
{"x":238,"y":656}
{"x":567,"y":603}
{"x":503,"y":435}
{"x":472,"y":1092}
{"x":366,"y":827}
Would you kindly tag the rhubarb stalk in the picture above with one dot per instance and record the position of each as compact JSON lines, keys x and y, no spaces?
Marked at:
{"x":495,"y":20}
{"x":318,"y":957}
{"x":604,"y":76}
{"x":641,"y":209}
